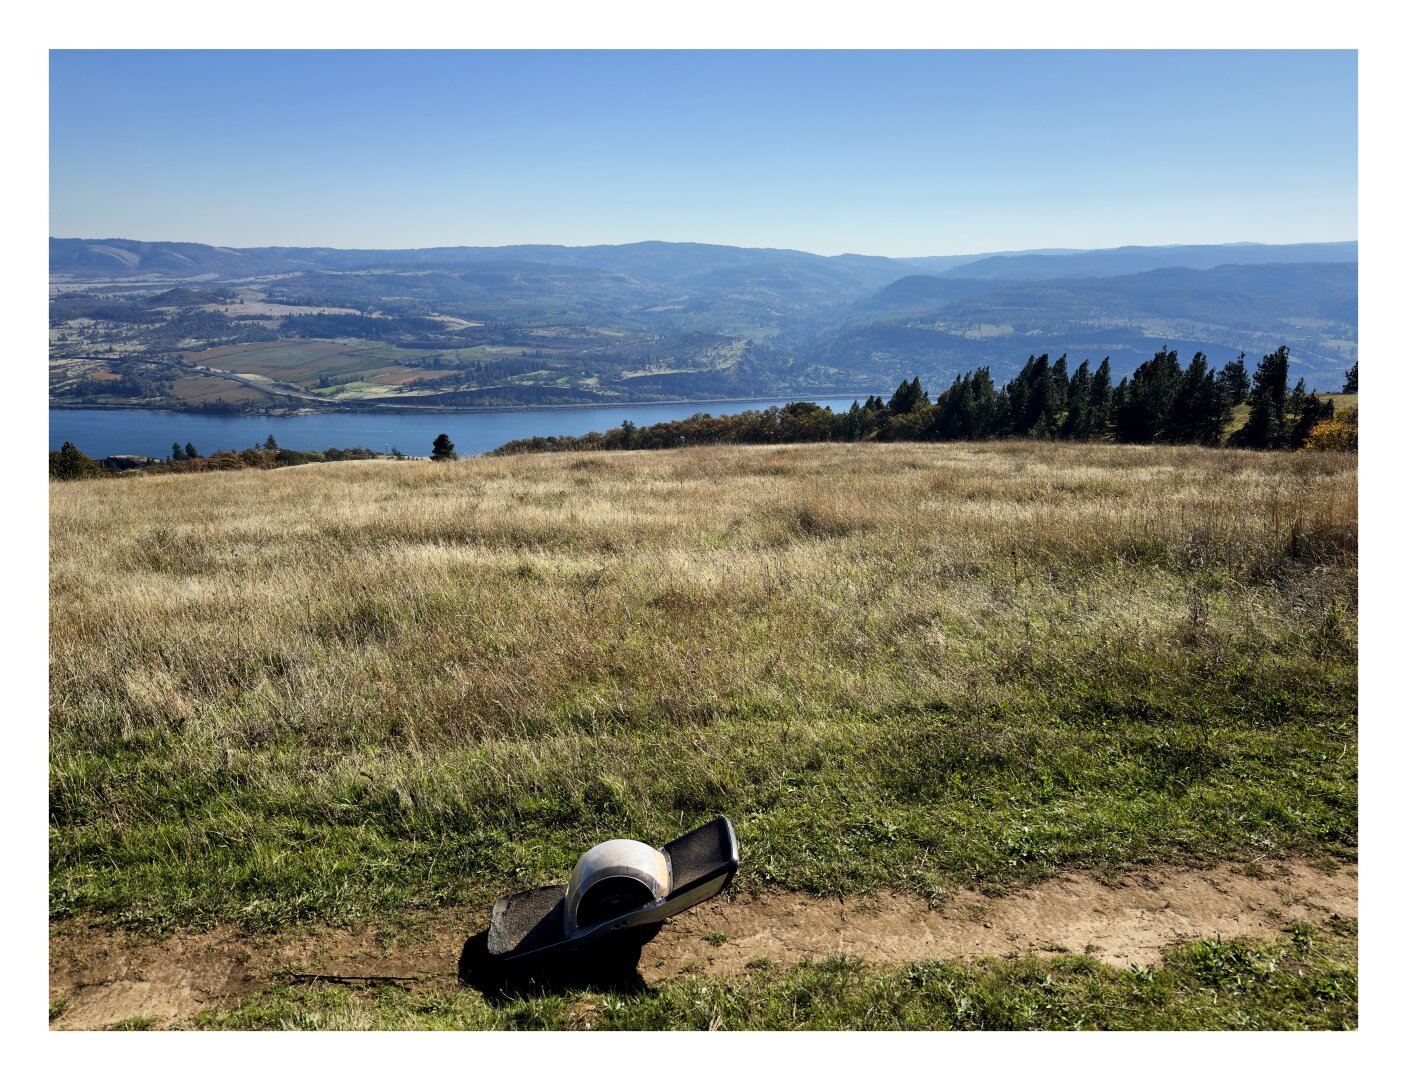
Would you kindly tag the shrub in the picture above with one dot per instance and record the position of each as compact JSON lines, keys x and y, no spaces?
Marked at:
{"x":1339,"y":433}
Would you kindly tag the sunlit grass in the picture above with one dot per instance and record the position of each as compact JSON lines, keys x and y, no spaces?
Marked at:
{"x":337,"y":690}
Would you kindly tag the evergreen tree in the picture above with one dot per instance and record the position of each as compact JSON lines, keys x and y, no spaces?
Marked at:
{"x":191,"y":453}
{"x":1034,"y":399}
{"x":1222,"y":406}
{"x":1057,"y":396}
{"x":908,"y":397}
{"x":983,"y":393}
{"x":443,"y":449}
{"x":1196,"y":413}
{"x":1303,"y":412}
{"x":1265,"y":427}
{"x":269,"y":443}
{"x":1350,"y":379}
{"x":947,"y":408}
{"x":177,"y":454}
{"x":71,"y":463}
{"x":849,"y":425}
{"x":1118,"y":396}
{"x":953,"y":412}
{"x":1020,"y":409}
{"x":1001,"y":414}
{"x":859,"y":422}
{"x":1294,"y":405}
{"x":1077,"y":404}
{"x":1146,"y":408}
{"x":900,"y":397}
{"x":1233,"y":382}
{"x":966,"y":409}
{"x":1101,"y":393}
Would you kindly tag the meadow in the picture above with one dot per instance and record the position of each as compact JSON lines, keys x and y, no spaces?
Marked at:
{"x":341,"y":694}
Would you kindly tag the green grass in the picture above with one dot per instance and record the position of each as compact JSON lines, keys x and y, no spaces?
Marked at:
{"x":339,"y":693}
{"x":1304,"y":979}
{"x":134,"y":1023}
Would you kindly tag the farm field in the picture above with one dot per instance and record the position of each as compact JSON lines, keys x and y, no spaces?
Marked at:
{"x":307,"y":364}
{"x":198,"y":389}
{"x":367,"y":698}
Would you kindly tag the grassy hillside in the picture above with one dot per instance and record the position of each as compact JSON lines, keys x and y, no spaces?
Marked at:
{"x":339,"y":691}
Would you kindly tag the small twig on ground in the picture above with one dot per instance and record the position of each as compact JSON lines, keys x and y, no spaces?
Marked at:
{"x":317,"y":976}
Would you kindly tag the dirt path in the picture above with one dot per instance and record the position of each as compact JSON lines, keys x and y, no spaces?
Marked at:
{"x":107,"y":977}
{"x":1128,"y":924}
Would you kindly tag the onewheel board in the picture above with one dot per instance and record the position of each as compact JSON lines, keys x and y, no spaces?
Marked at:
{"x":617,"y":886}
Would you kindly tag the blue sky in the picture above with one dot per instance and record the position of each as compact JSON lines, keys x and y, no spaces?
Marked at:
{"x":884,"y":153}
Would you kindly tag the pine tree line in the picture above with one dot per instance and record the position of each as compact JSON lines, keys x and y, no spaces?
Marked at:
{"x":1161,"y":402}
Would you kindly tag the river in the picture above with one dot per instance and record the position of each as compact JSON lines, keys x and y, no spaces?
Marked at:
{"x":102,"y":432}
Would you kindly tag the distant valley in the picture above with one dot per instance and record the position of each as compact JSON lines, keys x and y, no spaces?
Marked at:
{"x":191,"y":326}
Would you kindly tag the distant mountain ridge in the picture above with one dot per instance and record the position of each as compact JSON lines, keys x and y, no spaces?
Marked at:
{"x":1315,"y":289}
{"x":658,"y":261}
{"x":1116,"y":262}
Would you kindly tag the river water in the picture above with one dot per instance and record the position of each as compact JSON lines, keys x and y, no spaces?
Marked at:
{"x":102,"y":432}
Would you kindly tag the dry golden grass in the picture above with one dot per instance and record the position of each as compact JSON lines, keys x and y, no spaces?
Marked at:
{"x":340,"y":688}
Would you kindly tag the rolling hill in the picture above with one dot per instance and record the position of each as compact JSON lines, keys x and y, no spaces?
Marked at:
{"x":549,"y":324}
{"x":942,"y":325}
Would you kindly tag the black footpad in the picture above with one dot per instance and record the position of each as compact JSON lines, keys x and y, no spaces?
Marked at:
{"x":702,"y":857}
{"x":527,"y":921}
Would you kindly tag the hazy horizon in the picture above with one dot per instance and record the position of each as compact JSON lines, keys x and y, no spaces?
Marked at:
{"x":701,"y":243}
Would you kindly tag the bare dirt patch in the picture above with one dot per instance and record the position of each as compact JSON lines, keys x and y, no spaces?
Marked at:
{"x":1130,"y":923}
{"x":105,"y":977}
{"x":198,"y":388}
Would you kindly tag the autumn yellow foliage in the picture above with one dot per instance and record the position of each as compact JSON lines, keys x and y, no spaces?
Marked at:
{"x":1340,"y":433}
